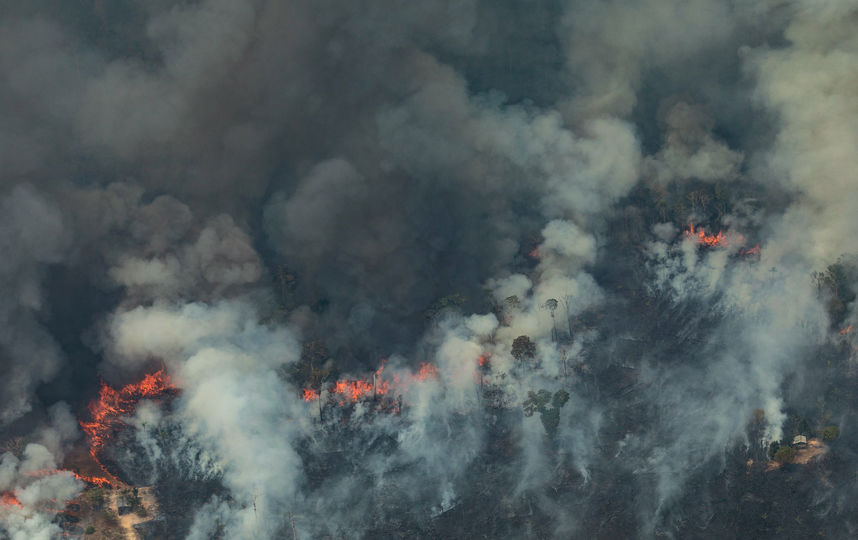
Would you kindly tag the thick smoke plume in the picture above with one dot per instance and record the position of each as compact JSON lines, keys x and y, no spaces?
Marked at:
{"x":563,"y":268}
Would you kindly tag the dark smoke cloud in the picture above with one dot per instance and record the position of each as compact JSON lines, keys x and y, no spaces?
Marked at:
{"x":239,"y":179}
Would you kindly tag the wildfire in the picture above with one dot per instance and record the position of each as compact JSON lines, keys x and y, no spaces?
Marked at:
{"x":92,"y":480}
{"x":111,"y":405}
{"x":9,"y":499}
{"x":846,"y":330}
{"x":708,"y":240}
{"x":354,"y":390}
{"x":427,"y":371}
{"x":484,"y":361}
{"x":99,"y":481}
{"x":750,"y":252}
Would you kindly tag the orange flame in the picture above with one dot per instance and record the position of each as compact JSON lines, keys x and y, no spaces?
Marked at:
{"x":846,"y":330}
{"x":711,"y":240}
{"x":750,"y":252}
{"x":427,"y":371}
{"x":484,"y":361}
{"x":354,"y":390}
{"x":112,"y":405}
{"x":92,"y":480}
{"x":381,"y":385}
{"x":9,"y":499}
{"x":99,"y":481}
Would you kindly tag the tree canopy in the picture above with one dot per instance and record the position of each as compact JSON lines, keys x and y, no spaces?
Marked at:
{"x":523,"y":348}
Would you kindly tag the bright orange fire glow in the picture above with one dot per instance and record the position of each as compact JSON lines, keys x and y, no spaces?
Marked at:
{"x":111,"y":405}
{"x":427,"y":371}
{"x":754,"y":251}
{"x":354,"y":390}
{"x":846,"y":330}
{"x":99,"y":481}
{"x":708,"y":240}
{"x":93,"y":480}
{"x":9,"y":499}
{"x":534,"y":252}
{"x":484,"y":361}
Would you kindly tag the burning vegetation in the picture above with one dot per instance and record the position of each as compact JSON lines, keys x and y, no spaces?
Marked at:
{"x":384,"y":389}
{"x":111,"y":405}
{"x":9,"y":499}
{"x":708,"y":240}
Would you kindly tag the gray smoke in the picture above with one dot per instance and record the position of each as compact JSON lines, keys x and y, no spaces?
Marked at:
{"x":217,"y":186}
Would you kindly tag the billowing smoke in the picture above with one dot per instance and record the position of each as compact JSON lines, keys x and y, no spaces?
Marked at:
{"x":463,"y":269}
{"x":31,"y":483}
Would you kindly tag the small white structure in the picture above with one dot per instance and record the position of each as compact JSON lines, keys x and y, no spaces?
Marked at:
{"x":799,"y":441}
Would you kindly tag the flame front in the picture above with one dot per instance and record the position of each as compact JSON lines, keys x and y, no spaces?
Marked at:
{"x":9,"y":499}
{"x":483,"y":361}
{"x":100,"y":481}
{"x":353,"y":390}
{"x":708,"y":240}
{"x":427,"y":371}
{"x":111,"y":406}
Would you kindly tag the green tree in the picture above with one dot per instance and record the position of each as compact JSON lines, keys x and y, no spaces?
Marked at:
{"x":551,"y":305}
{"x":785,"y":454}
{"x":537,"y":402}
{"x":829,"y":433}
{"x":131,"y":497}
{"x":550,"y":421}
{"x":560,"y":398}
{"x":773,"y":448}
{"x":834,"y":284}
{"x":523,"y":348}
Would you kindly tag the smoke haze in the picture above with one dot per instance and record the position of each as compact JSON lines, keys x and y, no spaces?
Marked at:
{"x":331,"y":223}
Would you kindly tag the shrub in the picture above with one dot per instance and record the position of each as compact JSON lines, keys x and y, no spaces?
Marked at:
{"x":90,"y":530}
{"x":785,"y":454}
{"x":829,"y":433}
{"x":131,"y":497}
{"x":95,"y":496}
{"x":110,"y":517}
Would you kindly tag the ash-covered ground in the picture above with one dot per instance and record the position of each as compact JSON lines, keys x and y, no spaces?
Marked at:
{"x":367,"y":269}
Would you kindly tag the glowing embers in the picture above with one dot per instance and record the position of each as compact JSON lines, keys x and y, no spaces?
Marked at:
{"x":427,"y":371}
{"x":111,"y":405}
{"x":9,"y":499}
{"x":378,"y":387}
{"x":846,"y":331}
{"x":750,"y":253}
{"x":708,"y":240}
